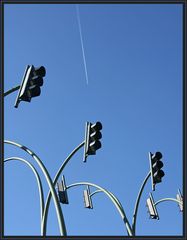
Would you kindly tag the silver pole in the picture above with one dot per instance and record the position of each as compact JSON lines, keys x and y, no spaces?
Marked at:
{"x":46,"y":209}
{"x":167,"y":199}
{"x":137,"y":203}
{"x":50,"y":184}
{"x":93,"y":193}
{"x":40,"y":188}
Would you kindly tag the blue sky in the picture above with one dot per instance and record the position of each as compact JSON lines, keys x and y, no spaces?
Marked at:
{"x":133,"y":54}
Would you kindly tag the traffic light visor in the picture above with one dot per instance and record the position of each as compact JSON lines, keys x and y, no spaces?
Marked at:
{"x":97,"y":135}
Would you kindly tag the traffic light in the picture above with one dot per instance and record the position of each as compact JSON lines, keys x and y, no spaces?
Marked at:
{"x":152,"y":208}
{"x":92,"y":136}
{"x":30,"y":85}
{"x":155,"y":167}
{"x":180,"y":199}
{"x":62,"y":191}
{"x":87,"y":198}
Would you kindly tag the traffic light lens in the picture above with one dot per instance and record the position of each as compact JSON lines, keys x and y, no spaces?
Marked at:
{"x":97,"y":144}
{"x":159,"y":164}
{"x":158,"y":155}
{"x":160,"y":173}
{"x":98,"y":135}
{"x":37,"y":81}
{"x":35,"y":91}
{"x":40,"y":71}
{"x":158,"y":176}
{"x":98,"y":126}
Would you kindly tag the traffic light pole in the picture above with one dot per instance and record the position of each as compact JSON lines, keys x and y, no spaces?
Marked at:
{"x":137,"y":203}
{"x":50,"y":184}
{"x":40,"y":188}
{"x":11,"y":90}
{"x":167,"y":199}
{"x":114,"y":200}
{"x":114,"y":197}
{"x":46,"y":208}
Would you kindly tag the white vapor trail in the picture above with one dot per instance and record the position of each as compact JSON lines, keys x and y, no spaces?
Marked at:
{"x":83,"y":54}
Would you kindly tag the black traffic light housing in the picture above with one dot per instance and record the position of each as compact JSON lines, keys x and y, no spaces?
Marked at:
{"x":92,"y":136}
{"x":152,"y":208}
{"x":31,"y":83}
{"x":87,"y":198}
{"x":155,"y":167}
{"x":62,"y":191}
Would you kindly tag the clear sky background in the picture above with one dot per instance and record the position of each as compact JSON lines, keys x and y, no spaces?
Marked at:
{"x":133,"y":54}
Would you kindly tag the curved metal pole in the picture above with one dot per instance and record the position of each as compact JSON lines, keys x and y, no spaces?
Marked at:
{"x":11,"y":90}
{"x":114,"y":197}
{"x":46,"y":209}
{"x":40,"y":188}
{"x":137,"y":203}
{"x":127,"y":225}
{"x":167,"y":199}
{"x":117,"y":200}
{"x":93,"y":193}
{"x":50,"y":184}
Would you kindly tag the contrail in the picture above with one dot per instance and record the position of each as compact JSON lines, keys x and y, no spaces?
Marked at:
{"x":83,"y":54}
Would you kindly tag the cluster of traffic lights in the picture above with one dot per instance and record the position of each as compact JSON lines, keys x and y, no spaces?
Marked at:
{"x":30,"y":87}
